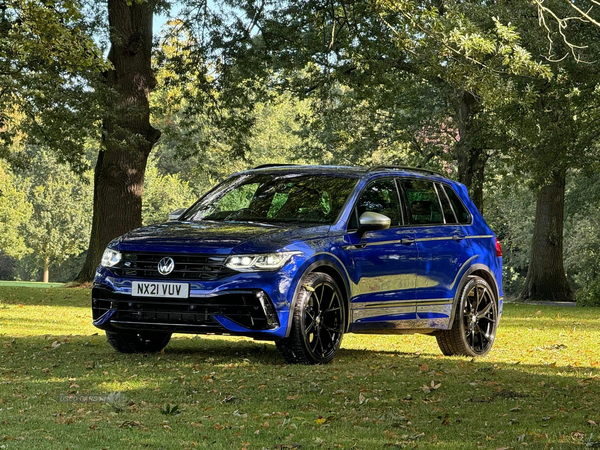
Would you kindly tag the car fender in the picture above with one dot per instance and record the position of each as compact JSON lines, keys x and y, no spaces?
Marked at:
{"x":463,"y":281}
{"x":318,"y":260}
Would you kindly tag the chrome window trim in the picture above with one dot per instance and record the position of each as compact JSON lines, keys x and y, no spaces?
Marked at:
{"x":447,"y":186}
{"x":450,"y":203}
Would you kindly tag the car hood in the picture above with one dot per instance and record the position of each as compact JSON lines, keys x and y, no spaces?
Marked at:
{"x":215,"y":237}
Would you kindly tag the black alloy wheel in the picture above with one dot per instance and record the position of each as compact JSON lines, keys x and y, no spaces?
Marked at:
{"x":318,"y":322}
{"x":476,"y":319}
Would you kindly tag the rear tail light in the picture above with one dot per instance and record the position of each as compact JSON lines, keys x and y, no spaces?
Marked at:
{"x":498,"y":247}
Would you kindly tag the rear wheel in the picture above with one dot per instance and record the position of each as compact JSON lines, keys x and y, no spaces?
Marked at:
{"x":474,"y":328}
{"x":137,"y":342}
{"x":317,"y":324}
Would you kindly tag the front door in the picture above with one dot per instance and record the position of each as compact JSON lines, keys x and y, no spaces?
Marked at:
{"x":383,"y":297}
{"x":443,"y":251}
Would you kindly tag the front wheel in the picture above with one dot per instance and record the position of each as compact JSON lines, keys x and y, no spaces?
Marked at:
{"x":475,"y":321}
{"x":137,"y":342}
{"x":317,"y":324}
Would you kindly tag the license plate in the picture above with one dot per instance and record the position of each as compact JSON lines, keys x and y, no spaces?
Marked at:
{"x":160,"y":289}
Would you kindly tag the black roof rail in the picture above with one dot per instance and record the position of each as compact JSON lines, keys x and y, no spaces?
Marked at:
{"x":414,"y":169}
{"x":264,"y":166}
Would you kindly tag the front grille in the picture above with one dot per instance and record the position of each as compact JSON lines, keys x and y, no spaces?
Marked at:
{"x":244,"y":308}
{"x":187,"y":266}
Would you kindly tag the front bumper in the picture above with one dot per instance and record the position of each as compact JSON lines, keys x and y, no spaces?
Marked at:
{"x":232,"y":312}
{"x":247,"y":304}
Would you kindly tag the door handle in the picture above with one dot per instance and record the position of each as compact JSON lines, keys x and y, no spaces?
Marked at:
{"x":407,"y":241}
{"x":458,"y":237}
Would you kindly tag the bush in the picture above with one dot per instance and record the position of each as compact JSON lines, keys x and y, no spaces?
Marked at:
{"x":589,"y":294}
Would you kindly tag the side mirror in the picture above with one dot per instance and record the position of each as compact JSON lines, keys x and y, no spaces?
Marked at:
{"x":176,"y":214}
{"x":371,"y":221}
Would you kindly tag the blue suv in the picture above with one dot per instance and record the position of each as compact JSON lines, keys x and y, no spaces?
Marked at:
{"x":303,"y":254}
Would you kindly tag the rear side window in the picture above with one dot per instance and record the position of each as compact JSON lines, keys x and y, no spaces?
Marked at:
{"x":381,"y":197}
{"x":448,"y":211}
{"x":423,"y":202}
{"x":462,"y":214}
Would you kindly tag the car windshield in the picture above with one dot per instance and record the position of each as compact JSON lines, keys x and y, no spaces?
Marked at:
{"x":296,"y":198}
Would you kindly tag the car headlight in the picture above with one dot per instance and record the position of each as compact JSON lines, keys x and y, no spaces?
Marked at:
{"x":110,"y":257}
{"x":254,"y":263}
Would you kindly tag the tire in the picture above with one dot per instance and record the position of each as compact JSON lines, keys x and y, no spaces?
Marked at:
{"x":318,"y":322}
{"x":474,"y":327}
{"x":132,"y":342}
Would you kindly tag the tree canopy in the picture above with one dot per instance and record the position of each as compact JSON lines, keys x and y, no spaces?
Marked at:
{"x":494,"y":94}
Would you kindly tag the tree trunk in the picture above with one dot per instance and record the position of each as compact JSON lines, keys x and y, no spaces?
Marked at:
{"x":546,"y":279}
{"x":128,"y":136}
{"x":471,"y":157}
{"x":46,"y":271}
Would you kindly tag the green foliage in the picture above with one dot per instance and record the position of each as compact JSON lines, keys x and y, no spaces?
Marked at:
{"x":49,"y":65}
{"x":15,"y":212}
{"x":510,"y":212}
{"x":589,"y":294}
{"x":45,"y":214}
{"x":196,"y":146}
{"x":60,"y":224}
{"x":163,"y":194}
{"x":362,"y":83}
{"x":582,"y":228}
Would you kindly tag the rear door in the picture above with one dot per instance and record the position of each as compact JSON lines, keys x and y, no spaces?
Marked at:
{"x":442,"y":247}
{"x":384,"y":263}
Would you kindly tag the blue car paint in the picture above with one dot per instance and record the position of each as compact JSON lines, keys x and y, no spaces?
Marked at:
{"x":392,"y":288}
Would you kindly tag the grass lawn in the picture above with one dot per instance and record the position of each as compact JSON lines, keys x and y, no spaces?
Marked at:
{"x":29,"y":284}
{"x":539,"y":388}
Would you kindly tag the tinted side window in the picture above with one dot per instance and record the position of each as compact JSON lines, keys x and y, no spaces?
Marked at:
{"x":423,"y":202}
{"x":448,"y":212}
{"x":381,"y":197}
{"x":462,"y":214}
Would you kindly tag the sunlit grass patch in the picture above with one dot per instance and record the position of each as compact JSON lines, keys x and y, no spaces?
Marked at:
{"x":539,"y":388}
{"x":35,"y":284}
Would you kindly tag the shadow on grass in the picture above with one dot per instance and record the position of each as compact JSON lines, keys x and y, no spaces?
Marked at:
{"x":228,"y":389}
{"x":218,"y":351}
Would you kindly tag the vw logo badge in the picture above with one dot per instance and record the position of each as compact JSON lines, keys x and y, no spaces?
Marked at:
{"x":166,"y":266}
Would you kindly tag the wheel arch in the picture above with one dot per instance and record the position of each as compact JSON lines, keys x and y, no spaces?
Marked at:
{"x":482,"y":271}
{"x":330,"y":268}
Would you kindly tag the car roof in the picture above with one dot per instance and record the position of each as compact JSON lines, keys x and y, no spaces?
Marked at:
{"x":349,"y":171}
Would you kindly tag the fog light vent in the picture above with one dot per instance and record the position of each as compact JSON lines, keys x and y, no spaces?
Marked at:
{"x":267,"y":306}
